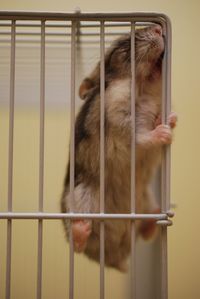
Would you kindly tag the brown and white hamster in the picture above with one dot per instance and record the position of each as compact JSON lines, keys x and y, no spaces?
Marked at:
{"x":151,"y":136}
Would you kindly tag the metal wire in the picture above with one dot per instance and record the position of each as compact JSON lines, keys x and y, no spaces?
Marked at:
{"x":41,"y":159}
{"x":10,"y":159}
{"x":60,"y":16}
{"x":82,"y":25}
{"x":165,"y":168}
{"x":72,"y":156}
{"x":102,"y":158}
{"x":133,"y":231}
{"x":101,"y":216}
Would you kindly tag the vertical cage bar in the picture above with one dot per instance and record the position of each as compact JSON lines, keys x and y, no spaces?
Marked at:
{"x":133,"y":235}
{"x":102,"y":158}
{"x":164,"y":270}
{"x":168,"y":110}
{"x":10,"y":158}
{"x":41,"y":159}
{"x":71,"y":264}
{"x":39,"y":266}
{"x":72,"y":155}
{"x":165,"y":168}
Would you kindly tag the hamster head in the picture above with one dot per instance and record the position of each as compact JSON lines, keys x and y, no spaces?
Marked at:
{"x":149,"y":50}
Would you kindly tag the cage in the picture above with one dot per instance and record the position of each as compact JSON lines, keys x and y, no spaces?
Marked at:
{"x":44,"y":57}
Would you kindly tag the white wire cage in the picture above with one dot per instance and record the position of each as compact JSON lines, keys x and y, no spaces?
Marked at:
{"x":13,"y":25}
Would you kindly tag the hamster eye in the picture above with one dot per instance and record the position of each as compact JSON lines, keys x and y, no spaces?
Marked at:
{"x":119,"y":57}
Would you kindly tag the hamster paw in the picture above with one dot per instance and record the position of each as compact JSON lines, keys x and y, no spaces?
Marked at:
{"x":172,"y":120}
{"x":123,"y":266}
{"x":148,"y":227}
{"x":162,"y":135}
{"x":81,"y":229}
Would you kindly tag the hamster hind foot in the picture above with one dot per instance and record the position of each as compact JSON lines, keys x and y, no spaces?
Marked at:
{"x":148,"y":228}
{"x":81,"y":230}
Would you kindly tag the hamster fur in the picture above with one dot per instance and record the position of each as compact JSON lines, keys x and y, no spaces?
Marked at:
{"x":151,"y":136}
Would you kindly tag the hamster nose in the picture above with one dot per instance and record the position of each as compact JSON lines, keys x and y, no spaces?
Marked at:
{"x":157,"y":29}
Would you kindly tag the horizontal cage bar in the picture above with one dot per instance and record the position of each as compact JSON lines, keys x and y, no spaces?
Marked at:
{"x":103,"y":216}
{"x":66,"y":25}
{"x":59,"y":16}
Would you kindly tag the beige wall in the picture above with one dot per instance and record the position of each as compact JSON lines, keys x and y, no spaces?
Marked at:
{"x":184,"y":241}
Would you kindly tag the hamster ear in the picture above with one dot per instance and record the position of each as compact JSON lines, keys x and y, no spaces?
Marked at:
{"x":85,"y":87}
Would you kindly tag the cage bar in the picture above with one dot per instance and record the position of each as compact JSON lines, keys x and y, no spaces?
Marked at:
{"x":165,"y":167}
{"x":41,"y":159}
{"x":133,"y":231}
{"x":64,"y":25}
{"x":10,"y":158}
{"x":72,"y":216}
{"x":102,"y":159}
{"x":167,"y":103}
{"x":72,"y":155}
{"x":60,"y":16}
{"x":39,"y":259}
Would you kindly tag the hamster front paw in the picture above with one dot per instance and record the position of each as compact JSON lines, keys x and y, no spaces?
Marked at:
{"x":81,"y":229}
{"x":162,"y":135}
{"x":172,"y":120}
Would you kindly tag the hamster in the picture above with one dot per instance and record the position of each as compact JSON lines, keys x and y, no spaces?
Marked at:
{"x":151,"y":136}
